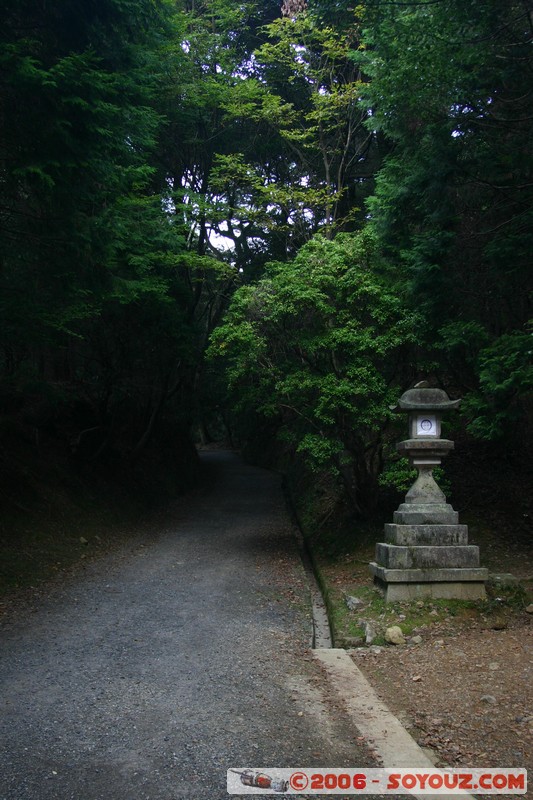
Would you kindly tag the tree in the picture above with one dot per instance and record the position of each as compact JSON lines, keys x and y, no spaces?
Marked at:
{"x":451,"y":89}
{"x":321,"y":344}
{"x":208,"y":62}
{"x":95,"y":308}
{"x":321,"y":119}
{"x":240,"y":78}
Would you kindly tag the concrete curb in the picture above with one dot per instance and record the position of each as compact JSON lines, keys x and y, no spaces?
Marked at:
{"x":373,"y":719}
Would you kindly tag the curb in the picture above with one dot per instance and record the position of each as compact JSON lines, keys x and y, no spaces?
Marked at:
{"x":392,"y":743}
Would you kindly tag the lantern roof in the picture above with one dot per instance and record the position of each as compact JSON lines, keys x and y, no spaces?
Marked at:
{"x":425,"y":399}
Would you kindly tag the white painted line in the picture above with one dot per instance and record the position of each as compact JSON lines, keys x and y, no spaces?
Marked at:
{"x":373,"y":719}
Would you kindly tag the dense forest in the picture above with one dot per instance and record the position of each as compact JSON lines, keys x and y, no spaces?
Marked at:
{"x":261,"y":223}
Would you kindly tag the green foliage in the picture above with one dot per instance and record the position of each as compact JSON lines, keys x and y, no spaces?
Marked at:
{"x":321,"y":343}
{"x":317,"y":90}
{"x":272,"y":141}
{"x":450,"y":90}
{"x":94,"y":299}
{"x":210,"y":131}
{"x":506,"y":378}
{"x":397,"y":474}
{"x":155,"y":155}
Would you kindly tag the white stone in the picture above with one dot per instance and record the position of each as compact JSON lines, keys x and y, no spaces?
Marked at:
{"x":394,"y":635}
{"x":370,"y":633}
{"x":353,"y":602}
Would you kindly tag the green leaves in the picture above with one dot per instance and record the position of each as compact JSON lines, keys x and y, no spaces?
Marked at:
{"x":94,"y":295}
{"x":506,"y":381}
{"x":307,"y":66}
{"x":321,"y":341}
{"x":450,"y":90}
{"x":155,"y":155}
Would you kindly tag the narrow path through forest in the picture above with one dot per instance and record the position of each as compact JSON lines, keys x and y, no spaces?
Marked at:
{"x":166,"y":663}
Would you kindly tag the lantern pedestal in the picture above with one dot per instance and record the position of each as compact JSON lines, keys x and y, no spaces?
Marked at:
{"x":426,"y":552}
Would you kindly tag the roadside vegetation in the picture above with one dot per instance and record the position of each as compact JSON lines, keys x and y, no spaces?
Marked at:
{"x":341,"y":547}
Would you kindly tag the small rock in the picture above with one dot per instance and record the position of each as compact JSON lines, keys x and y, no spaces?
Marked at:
{"x":420,"y":604}
{"x":353,"y":602}
{"x":494,"y":666}
{"x":503,"y":579}
{"x":529,"y":608}
{"x":416,"y":678}
{"x":416,"y":640}
{"x":375,"y":649}
{"x":488,"y":698}
{"x":434,"y":613}
{"x":83,"y":540}
{"x":394,"y":635}
{"x":370,"y":632}
{"x":439,"y":642}
{"x":437,"y":722}
{"x":401,"y":616}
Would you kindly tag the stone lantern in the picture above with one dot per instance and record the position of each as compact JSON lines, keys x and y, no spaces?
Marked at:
{"x":426,"y":552}
{"x":425,"y":450}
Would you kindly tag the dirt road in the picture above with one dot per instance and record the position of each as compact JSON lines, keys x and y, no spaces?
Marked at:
{"x":157,"y":668}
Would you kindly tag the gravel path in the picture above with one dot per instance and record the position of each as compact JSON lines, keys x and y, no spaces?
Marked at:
{"x":161,"y":665}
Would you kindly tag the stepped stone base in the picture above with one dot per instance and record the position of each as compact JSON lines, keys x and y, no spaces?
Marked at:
{"x":417,"y":535}
{"x":427,"y":557}
{"x":401,"y":585}
{"x":426,"y":554}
